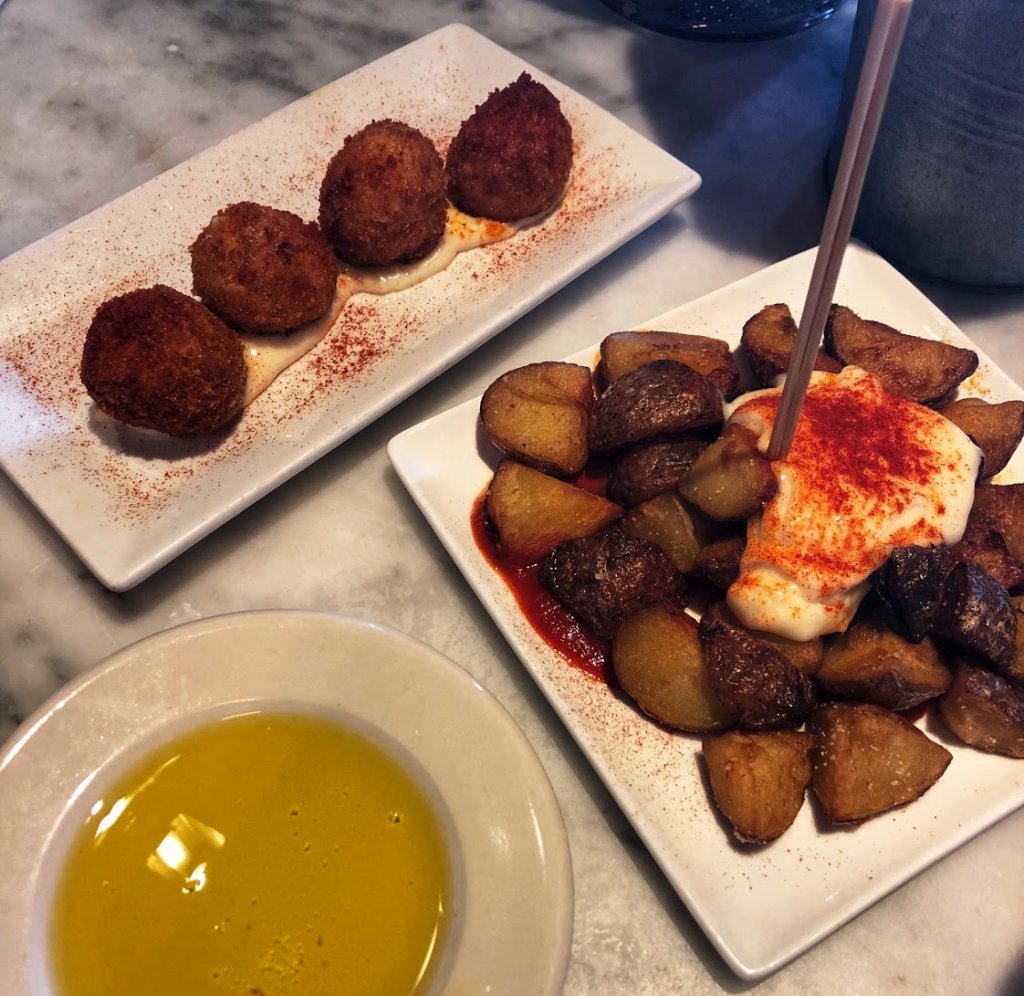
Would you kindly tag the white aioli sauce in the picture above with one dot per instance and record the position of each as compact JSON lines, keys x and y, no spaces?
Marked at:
{"x":266,"y":356}
{"x":867,"y":472}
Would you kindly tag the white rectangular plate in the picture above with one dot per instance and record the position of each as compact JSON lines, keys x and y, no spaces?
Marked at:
{"x":128,"y":507}
{"x":761,"y":907}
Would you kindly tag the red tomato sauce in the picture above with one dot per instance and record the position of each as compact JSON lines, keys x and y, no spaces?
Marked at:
{"x":554,"y":624}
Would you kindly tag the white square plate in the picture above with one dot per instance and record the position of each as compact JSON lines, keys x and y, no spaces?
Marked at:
{"x":128,"y":506}
{"x":761,"y":907}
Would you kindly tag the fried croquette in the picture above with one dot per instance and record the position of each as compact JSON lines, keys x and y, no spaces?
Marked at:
{"x":511,"y":158}
{"x":383,"y":200}
{"x":157,"y":359}
{"x":262,"y":269}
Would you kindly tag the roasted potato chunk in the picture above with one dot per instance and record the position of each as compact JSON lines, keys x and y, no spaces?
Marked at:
{"x":994,"y":537}
{"x":657,"y":398}
{"x":622,"y":352}
{"x":978,"y":615}
{"x":651,"y":468}
{"x":984,"y":711}
{"x":606,"y":577}
{"x":872,"y":663}
{"x":666,"y":521}
{"x":983,"y":544}
{"x":751,"y":677}
{"x":1002,"y":505}
{"x":920,"y":369}
{"x":719,"y":561}
{"x":532,"y":512}
{"x":538,"y":414}
{"x":759,"y":780}
{"x":805,"y":656}
{"x":731,"y":480}
{"x":996,"y":428}
{"x":867,"y":760}
{"x":658,"y":662}
{"x":768,"y":339}
{"x":909,"y":587}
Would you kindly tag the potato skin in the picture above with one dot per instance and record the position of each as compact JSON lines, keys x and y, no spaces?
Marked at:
{"x":997,"y":428}
{"x":382,"y":198}
{"x":984,"y":711}
{"x":719,"y":561}
{"x":158,"y":359}
{"x":759,"y":780}
{"x":978,"y":615}
{"x":909,"y":587}
{"x":660,"y":397}
{"x":994,"y":533}
{"x":651,"y":468}
{"x":768,"y":340}
{"x":606,"y":577}
{"x":622,"y":352}
{"x":871,"y":663}
{"x":923,"y":370}
{"x":751,"y":676}
{"x":512,"y":157}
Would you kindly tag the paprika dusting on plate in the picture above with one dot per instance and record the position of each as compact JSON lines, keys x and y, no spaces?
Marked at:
{"x":867,"y":471}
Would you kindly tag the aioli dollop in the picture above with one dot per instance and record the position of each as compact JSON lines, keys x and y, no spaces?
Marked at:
{"x":267,"y":356}
{"x":867,"y":471}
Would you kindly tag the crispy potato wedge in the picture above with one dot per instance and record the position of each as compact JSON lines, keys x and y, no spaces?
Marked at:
{"x":658,"y":662}
{"x":997,"y":428}
{"x":994,"y":537}
{"x":767,"y":341}
{"x":666,"y":521}
{"x":651,"y":468}
{"x":719,"y":561}
{"x":538,"y":414}
{"x":605,"y":577}
{"x":751,"y":676}
{"x":658,"y":398}
{"x":920,"y":369}
{"x":984,"y":711}
{"x":622,"y":352}
{"x":872,"y":663}
{"x":1002,"y":505}
{"x":978,"y":615}
{"x":909,"y":586}
{"x":731,"y":480}
{"x":759,"y":780}
{"x":984,"y":544}
{"x":867,"y":760}
{"x":532,"y":512}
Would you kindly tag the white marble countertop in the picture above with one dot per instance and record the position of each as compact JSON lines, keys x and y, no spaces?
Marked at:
{"x":100,"y":96}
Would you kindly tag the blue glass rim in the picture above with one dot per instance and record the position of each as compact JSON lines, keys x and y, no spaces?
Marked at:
{"x":721,"y":21}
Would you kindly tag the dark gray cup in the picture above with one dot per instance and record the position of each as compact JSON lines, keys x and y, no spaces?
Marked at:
{"x":944,"y":194}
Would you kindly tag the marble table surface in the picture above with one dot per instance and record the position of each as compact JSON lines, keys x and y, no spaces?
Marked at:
{"x":100,"y":96}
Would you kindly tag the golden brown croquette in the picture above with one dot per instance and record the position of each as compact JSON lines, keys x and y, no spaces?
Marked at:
{"x":158,"y":359}
{"x":262,"y":269}
{"x":511,"y":158}
{"x":383,"y":200}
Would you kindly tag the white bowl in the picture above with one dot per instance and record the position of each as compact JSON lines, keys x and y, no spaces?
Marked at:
{"x":511,"y":927}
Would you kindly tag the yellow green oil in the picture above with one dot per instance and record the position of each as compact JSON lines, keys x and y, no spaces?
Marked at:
{"x":263,"y":854}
